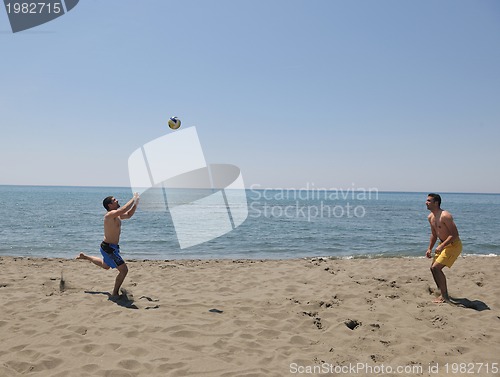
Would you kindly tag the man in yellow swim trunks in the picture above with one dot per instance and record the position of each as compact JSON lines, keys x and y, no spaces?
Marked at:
{"x":450,"y":247}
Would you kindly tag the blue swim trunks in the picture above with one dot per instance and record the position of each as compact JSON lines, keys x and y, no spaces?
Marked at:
{"x":111,"y":254}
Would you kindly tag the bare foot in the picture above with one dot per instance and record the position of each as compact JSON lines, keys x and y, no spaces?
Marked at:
{"x":81,"y":256}
{"x":439,"y":300}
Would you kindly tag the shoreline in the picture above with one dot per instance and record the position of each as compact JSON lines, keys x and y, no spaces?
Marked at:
{"x":245,"y":317}
{"x":308,"y":258}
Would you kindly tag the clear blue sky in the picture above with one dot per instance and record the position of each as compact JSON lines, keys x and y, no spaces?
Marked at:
{"x":389,"y":94}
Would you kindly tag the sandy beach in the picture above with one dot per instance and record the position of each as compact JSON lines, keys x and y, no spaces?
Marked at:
{"x":249,"y":318}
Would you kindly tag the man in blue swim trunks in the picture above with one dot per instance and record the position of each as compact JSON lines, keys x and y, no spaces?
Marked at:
{"x":110,"y":249}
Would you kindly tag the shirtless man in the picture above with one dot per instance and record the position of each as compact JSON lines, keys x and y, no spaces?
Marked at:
{"x":450,"y":247}
{"x":110,"y":250}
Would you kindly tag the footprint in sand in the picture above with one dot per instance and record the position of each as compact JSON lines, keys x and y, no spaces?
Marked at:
{"x":126,"y":299}
{"x":126,"y":295}
{"x":150,"y":300}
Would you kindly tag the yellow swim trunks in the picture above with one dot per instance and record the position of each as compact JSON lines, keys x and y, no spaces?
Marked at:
{"x":449,"y":254}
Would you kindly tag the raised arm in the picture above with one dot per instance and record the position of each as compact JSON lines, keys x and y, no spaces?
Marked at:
{"x":131,"y":211}
{"x":126,"y":211}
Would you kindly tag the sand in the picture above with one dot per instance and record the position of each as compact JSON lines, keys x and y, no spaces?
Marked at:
{"x":249,"y":318}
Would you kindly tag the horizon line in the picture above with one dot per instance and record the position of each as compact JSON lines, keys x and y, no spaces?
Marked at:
{"x":271,"y":188}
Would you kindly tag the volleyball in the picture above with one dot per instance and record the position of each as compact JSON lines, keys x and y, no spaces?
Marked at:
{"x":174,"y":123}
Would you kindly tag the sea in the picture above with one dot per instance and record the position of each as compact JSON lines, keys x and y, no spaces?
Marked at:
{"x":60,"y":222}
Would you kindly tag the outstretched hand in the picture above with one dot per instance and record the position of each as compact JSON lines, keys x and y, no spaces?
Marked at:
{"x":136,"y":198}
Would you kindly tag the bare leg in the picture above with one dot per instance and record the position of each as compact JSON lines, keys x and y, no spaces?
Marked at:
{"x":122,"y":273}
{"x":440,"y":279}
{"x":97,"y":261}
